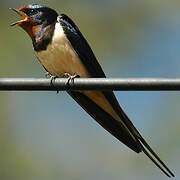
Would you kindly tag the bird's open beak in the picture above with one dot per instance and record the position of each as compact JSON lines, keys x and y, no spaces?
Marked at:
{"x":23,"y":15}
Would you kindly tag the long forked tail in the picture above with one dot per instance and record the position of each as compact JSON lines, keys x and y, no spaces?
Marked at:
{"x":145,"y":146}
{"x":147,"y":149}
{"x":125,"y":132}
{"x":155,"y":158}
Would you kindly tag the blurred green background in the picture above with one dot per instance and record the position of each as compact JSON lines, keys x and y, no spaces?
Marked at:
{"x":44,"y":135}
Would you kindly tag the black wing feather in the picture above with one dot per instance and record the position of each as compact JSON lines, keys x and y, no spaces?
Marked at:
{"x":81,"y":47}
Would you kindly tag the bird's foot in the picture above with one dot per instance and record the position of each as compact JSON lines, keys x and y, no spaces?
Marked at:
{"x":70,"y":77}
{"x":52,"y":78}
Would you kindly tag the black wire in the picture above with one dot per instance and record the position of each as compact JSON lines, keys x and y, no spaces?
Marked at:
{"x":105,"y":84}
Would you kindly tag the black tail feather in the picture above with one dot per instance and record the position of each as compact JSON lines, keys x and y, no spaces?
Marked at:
{"x":153,"y":156}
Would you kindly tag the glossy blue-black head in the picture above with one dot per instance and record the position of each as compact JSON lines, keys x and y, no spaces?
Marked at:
{"x":40,"y":14}
{"x":34,"y":16}
{"x":36,"y":13}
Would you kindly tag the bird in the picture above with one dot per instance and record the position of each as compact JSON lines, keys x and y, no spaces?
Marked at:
{"x":63,"y":51}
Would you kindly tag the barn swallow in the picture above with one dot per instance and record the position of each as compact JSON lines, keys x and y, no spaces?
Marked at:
{"x":62,"y":49}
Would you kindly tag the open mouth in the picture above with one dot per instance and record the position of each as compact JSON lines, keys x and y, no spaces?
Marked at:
{"x":22,"y":14}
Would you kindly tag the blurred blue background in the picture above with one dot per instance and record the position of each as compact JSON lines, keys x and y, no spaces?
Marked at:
{"x":44,"y":135}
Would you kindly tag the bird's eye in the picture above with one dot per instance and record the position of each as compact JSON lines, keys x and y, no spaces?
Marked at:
{"x":29,"y":12}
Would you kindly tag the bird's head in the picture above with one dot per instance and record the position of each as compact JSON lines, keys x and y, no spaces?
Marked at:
{"x":35,"y":17}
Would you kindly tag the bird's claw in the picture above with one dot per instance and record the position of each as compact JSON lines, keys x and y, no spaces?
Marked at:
{"x":70,"y":77}
{"x":52,"y":78}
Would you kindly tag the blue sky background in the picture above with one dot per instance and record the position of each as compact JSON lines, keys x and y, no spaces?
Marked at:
{"x":45,"y":135}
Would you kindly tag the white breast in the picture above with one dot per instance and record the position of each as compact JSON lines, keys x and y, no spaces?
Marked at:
{"x":60,"y":57}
